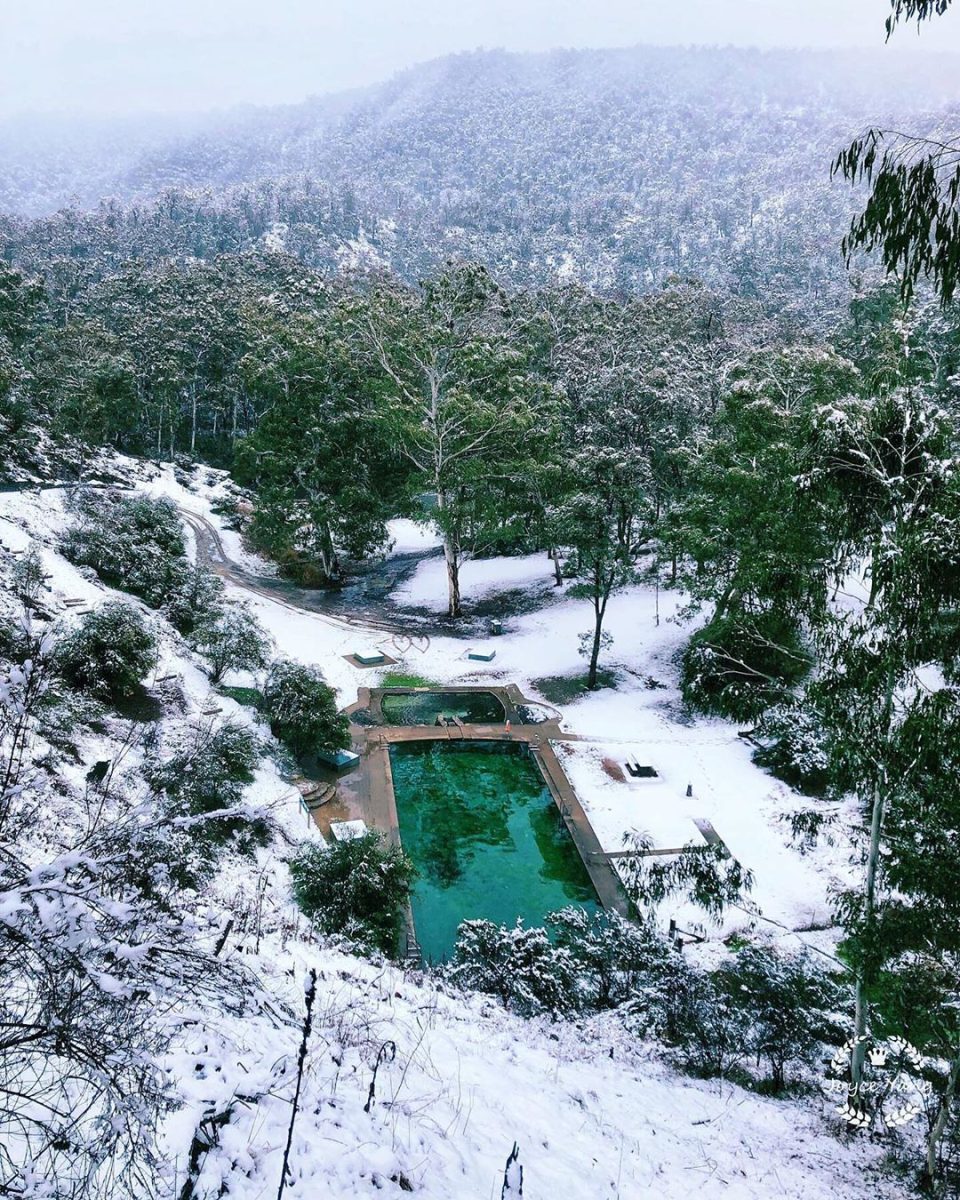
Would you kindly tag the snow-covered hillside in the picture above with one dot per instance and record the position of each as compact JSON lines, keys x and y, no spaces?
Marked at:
{"x":409,"y":1087}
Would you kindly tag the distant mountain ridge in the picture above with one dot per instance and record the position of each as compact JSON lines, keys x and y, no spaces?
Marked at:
{"x":615,"y":167}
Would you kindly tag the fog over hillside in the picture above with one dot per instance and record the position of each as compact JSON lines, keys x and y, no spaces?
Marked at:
{"x":613,"y":167}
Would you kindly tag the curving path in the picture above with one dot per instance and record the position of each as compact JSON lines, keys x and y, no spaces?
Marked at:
{"x":335,"y":607}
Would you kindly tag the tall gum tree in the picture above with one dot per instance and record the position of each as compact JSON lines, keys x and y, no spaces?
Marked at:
{"x":891,"y":465}
{"x":449,"y":360}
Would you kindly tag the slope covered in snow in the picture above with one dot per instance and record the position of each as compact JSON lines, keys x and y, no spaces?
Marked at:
{"x":408,"y":1086}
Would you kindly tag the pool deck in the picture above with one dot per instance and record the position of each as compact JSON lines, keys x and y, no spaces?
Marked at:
{"x":367,"y":792}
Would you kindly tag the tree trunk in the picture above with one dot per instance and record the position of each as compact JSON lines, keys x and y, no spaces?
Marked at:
{"x":940,"y":1124}
{"x":454,"y":608}
{"x":594,"y":659}
{"x":557,"y":571}
{"x":861,"y":1003}
{"x":451,"y":554}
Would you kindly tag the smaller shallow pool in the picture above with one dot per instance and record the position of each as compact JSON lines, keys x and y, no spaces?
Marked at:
{"x":423,"y":708}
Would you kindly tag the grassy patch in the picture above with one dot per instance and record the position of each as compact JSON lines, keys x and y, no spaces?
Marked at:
{"x":252,"y":697}
{"x":564,"y":689}
{"x":401,"y":679}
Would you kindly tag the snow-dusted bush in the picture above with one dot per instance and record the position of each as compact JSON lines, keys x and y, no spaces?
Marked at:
{"x":761,"y":1005}
{"x":232,"y":639}
{"x":743,"y":665}
{"x":794,"y":746}
{"x":302,"y":710}
{"x":28,"y":577}
{"x":689,"y":1010}
{"x":196,"y":594}
{"x":612,"y":957}
{"x":136,"y":543}
{"x":791,"y":1002}
{"x":357,"y":888}
{"x":520,"y":966}
{"x":109,"y":652}
{"x":95,"y":952}
{"x":206,"y":775}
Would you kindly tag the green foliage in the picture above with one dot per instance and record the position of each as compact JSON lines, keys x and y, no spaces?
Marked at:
{"x":302,"y":710}
{"x":691,"y":1010}
{"x":705,"y":875}
{"x":358,"y":889}
{"x":792,"y":1005}
{"x":28,"y":577}
{"x":108,"y":653}
{"x":613,"y":958}
{"x":322,"y":458}
{"x":795,"y":747}
{"x":452,"y":367}
{"x":743,"y":664}
{"x":521,"y":967}
{"x":206,"y":774}
{"x":232,"y":639}
{"x":134,"y":543}
{"x":195,"y":597}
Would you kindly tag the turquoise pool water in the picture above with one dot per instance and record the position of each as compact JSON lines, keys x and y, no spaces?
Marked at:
{"x":486,"y":836}
{"x":422,"y":708}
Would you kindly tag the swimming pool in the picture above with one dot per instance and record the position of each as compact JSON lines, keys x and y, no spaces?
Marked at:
{"x":423,"y":708}
{"x":486,"y":836}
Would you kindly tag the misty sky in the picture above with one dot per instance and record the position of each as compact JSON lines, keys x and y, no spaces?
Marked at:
{"x":182,"y":55}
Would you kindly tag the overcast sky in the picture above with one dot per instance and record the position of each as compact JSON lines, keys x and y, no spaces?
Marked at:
{"x":181,"y":55}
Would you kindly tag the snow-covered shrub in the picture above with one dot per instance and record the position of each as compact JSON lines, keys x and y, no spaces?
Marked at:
{"x":196,"y":594}
{"x":136,"y":543}
{"x":794,"y":746}
{"x":520,"y":966}
{"x":743,"y":665}
{"x":206,"y":775}
{"x":690,"y":1010}
{"x":357,"y":888}
{"x":612,"y":957}
{"x":108,"y":653}
{"x":791,"y":1003}
{"x":302,"y":710}
{"x":63,"y":717}
{"x":232,"y":639}
{"x":28,"y":577}
{"x":95,"y":952}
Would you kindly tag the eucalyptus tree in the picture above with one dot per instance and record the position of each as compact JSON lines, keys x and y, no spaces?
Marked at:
{"x":451,"y":363}
{"x":321,"y":458}
{"x":615,"y":409}
{"x":887,"y":652}
{"x":753,"y":543}
{"x":912,"y":214}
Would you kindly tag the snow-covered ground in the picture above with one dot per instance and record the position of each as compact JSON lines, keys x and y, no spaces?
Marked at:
{"x":209,"y":488}
{"x":635,"y":720}
{"x":594,"y":1112}
{"x":479,"y":577}
{"x":641,"y":719}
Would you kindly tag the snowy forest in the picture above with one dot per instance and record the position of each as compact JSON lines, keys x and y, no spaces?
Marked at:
{"x":625,"y":363}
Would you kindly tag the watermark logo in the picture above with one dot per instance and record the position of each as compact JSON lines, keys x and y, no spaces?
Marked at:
{"x":891,"y":1092}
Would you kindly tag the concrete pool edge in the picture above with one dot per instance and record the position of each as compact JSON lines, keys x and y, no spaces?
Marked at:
{"x":376,"y":792}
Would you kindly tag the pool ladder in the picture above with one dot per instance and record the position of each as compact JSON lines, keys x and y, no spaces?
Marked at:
{"x":413,"y":957}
